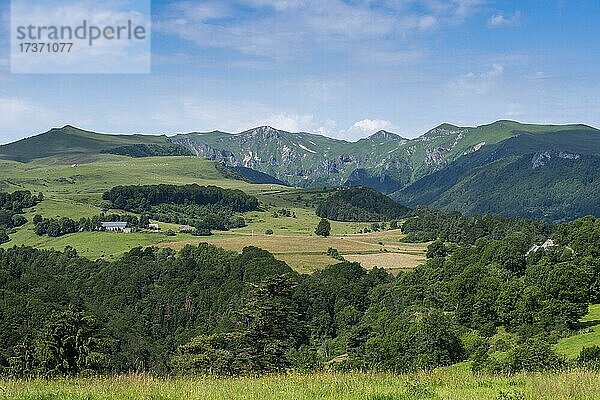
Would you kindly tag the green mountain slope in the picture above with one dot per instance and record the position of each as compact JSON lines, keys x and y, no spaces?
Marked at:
{"x":470,"y":169}
{"x":554,"y":176}
{"x":384,"y":161}
{"x":71,"y":142}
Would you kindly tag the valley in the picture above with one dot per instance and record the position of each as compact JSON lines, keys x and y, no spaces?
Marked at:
{"x":362,"y":280}
{"x":75,"y":191}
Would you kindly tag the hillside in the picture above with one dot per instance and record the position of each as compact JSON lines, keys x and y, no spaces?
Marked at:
{"x":75,"y":191}
{"x":384,"y":161}
{"x":360,"y":204}
{"x":72,"y":143}
{"x":484,"y":169}
{"x":552,"y":176}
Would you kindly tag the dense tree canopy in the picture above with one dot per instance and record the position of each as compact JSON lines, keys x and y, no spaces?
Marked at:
{"x":149,"y":150}
{"x":204,"y":309}
{"x":360,"y":204}
{"x":141,"y":198}
{"x":201,"y":207}
{"x":426,"y":224}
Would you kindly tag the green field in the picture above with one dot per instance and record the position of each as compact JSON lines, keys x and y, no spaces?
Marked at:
{"x":75,"y":191}
{"x":589,"y":335}
{"x":456,"y":383}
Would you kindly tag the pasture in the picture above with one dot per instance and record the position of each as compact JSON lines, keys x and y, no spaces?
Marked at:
{"x":588,"y":335}
{"x":75,"y":191}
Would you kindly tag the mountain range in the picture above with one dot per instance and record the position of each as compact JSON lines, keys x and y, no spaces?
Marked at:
{"x":508,"y":168}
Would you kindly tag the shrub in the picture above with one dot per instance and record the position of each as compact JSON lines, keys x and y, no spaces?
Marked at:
{"x":334,"y":253}
{"x":268,"y":231}
{"x":323,"y":228}
{"x":589,"y":357}
{"x":437,"y":249}
{"x":18,"y":220}
{"x":419,"y":237}
{"x":4,"y":237}
{"x":534,"y":355}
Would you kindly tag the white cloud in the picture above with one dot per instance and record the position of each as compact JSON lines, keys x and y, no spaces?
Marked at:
{"x":294,"y":29}
{"x":454,"y":11}
{"x":391,"y":58}
{"x":362,"y":128}
{"x":291,"y":122}
{"x":497,"y":20}
{"x":477,"y":84}
{"x":276,"y":4}
{"x":372,"y":125}
{"x":16,"y":115}
{"x":172,"y":115}
{"x":104,"y":56}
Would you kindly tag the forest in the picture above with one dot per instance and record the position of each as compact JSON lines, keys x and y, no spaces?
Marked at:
{"x":140,"y":199}
{"x":201,"y":207}
{"x":426,"y":224}
{"x":207,"y":310}
{"x":149,"y":150}
{"x":360,"y":204}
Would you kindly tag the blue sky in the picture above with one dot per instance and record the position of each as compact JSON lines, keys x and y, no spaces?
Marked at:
{"x":341,"y":68}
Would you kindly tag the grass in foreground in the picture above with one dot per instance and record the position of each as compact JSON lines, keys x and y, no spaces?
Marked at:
{"x":451,"y":383}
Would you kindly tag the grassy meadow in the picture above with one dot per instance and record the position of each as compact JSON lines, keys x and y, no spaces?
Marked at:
{"x":588,"y":335}
{"x":456,"y":383}
{"x":75,"y":191}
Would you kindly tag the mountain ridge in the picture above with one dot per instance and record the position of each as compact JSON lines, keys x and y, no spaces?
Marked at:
{"x":505,"y":167}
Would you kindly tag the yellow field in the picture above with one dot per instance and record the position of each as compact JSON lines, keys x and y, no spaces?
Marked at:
{"x":309,"y":253}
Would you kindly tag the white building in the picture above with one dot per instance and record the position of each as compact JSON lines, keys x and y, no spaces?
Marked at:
{"x":546,"y":245}
{"x":115,"y":226}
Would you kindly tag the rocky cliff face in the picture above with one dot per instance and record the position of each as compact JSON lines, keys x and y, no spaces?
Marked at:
{"x":384,"y":161}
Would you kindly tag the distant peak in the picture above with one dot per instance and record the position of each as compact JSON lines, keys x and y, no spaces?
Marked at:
{"x":441,"y":130}
{"x":447,"y":126}
{"x":264,"y":130}
{"x":65,"y":128}
{"x":385,"y":135}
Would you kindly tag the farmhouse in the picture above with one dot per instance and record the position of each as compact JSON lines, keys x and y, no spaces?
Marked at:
{"x":154,"y":227}
{"x":545,"y":246}
{"x":186,"y":229}
{"x":116,"y":227}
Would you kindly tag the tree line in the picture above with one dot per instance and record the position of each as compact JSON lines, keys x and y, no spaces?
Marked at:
{"x":11,"y":208}
{"x":201,"y":207}
{"x":149,"y":150}
{"x":426,"y":224}
{"x":140,"y":199}
{"x":56,"y":227}
{"x":360,"y":204}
